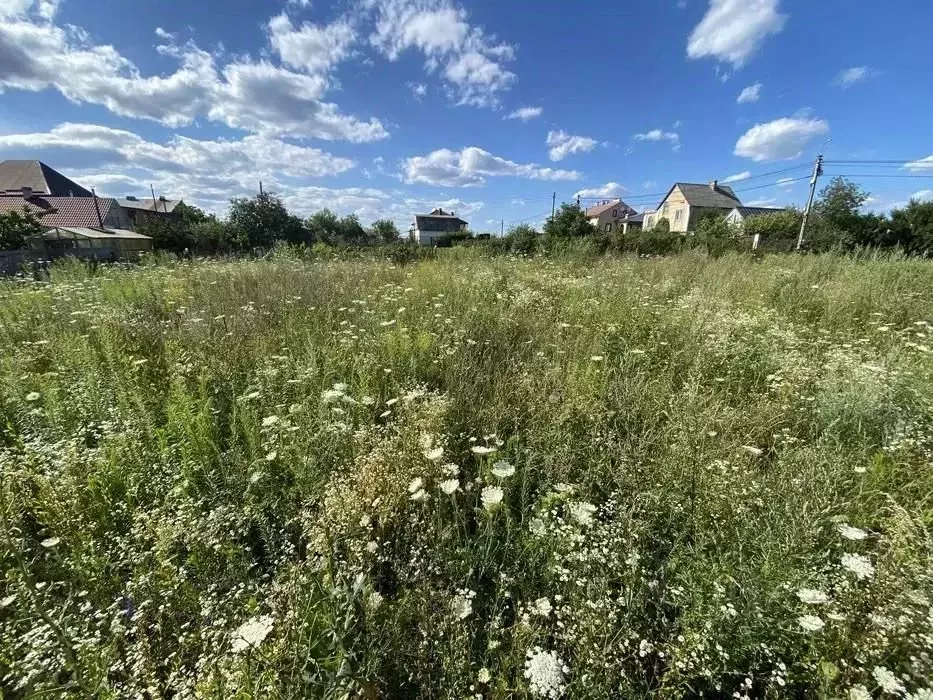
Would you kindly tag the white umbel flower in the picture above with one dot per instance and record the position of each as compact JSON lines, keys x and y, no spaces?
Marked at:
{"x":858,"y":565}
{"x":542,"y":607}
{"x":482,"y":450}
{"x":491,"y":497}
{"x":450,"y":486}
{"x":416,"y":485}
{"x":582,"y":512}
{"x":434,"y":454}
{"x":810,"y":623}
{"x":859,"y":692}
{"x":887,"y":681}
{"x":502,"y":469}
{"x":251,"y":633}
{"x":812,"y":596}
{"x":850,"y":532}
{"x":483,"y":676}
{"x":545,"y":672}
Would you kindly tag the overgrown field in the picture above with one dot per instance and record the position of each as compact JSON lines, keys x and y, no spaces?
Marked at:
{"x":469,"y":477}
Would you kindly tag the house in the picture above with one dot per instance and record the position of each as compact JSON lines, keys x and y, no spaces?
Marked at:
{"x":138,"y":209}
{"x":33,"y":177}
{"x":428,"y":228}
{"x":103,"y":243}
{"x":738,"y":216}
{"x":686,"y":203}
{"x":633,"y":222}
{"x":607,"y":216}
{"x":86,"y":212}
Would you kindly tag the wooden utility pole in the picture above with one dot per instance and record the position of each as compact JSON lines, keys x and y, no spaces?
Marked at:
{"x":501,"y":227}
{"x":155,"y":204}
{"x":817,"y":171}
{"x":553,"y":204}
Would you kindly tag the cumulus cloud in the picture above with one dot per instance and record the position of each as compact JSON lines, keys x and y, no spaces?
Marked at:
{"x":311,"y":48}
{"x":246,"y":94}
{"x":561,"y":144}
{"x":781,"y":139}
{"x":525,"y":114}
{"x":732,"y":31}
{"x":921,"y":165}
{"x":419,"y":90}
{"x":786,"y":182}
{"x":738,"y":177}
{"x":611,"y":190}
{"x":750,"y":94}
{"x":660,"y":135}
{"x":472,"y":61}
{"x":851,"y":76}
{"x":470,"y":167}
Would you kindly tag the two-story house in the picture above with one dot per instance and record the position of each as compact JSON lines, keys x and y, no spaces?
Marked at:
{"x":608,"y":216}
{"x":686,"y":203}
{"x":427,"y":228}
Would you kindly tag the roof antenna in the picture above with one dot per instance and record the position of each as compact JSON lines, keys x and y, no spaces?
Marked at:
{"x":97,"y":208}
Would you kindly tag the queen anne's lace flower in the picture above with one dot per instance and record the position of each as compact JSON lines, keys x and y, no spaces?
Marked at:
{"x":491,"y":497}
{"x":434,"y":454}
{"x":450,"y":486}
{"x":416,"y":485}
{"x":858,"y":565}
{"x":810,"y":623}
{"x":251,"y":633}
{"x":502,"y":469}
{"x":812,"y":596}
{"x":859,"y":692}
{"x":481,"y":450}
{"x":546,"y":673}
{"x":887,"y":681}
{"x":582,"y":512}
{"x":542,"y":607}
{"x":851,"y":533}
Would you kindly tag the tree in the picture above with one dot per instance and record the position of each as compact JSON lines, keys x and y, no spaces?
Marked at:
{"x":912,"y":227}
{"x":568,"y":222}
{"x":662,"y":225}
{"x":263,"y":219}
{"x":384,"y":230}
{"x":523,"y":239}
{"x":779,"y":225}
{"x":351,"y":231}
{"x":324,"y":226}
{"x":16,"y":227}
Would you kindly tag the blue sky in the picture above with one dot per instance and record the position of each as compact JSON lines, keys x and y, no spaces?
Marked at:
{"x":486,"y":107}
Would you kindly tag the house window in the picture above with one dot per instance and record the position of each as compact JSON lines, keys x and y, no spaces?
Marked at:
{"x":664,"y":210}
{"x":677,"y":214}
{"x":608,"y":228}
{"x":615,"y":213}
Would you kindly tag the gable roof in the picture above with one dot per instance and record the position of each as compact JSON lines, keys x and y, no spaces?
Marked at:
{"x":17,"y":174}
{"x":146,"y":204}
{"x":600,"y":209}
{"x":421,"y":219}
{"x":752,"y":212}
{"x":705,"y":196}
{"x":88,"y":232}
{"x":61,"y":211}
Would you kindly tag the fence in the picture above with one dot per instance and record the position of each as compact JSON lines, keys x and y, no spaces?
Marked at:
{"x":13,"y":261}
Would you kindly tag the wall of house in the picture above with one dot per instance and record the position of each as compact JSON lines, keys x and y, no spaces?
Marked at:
{"x":676,"y":210}
{"x":428,"y":237}
{"x":117,"y":218}
{"x":606,"y":217}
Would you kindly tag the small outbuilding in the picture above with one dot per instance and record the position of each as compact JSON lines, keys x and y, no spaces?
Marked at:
{"x":103,"y":243}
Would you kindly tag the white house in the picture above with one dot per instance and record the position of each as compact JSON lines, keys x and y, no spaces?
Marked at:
{"x":608,"y":215}
{"x":427,"y":228}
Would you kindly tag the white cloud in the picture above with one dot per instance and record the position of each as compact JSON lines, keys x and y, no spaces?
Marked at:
{"x":851,"y":76}
{"x":472,"y":60}
{"x":310,"y":47}
{"x":470,"y":167}
{"x":781,"y":139}
{"x":921,"y":165}
{"x":923,"y":196}
{"x":660,"y":135}
{"x":163,"y":34}
{"x":750,"y":94}
{"x":611,"y":190}
{"x":255,"y":96}
{"x":563,"y":144}
{"x":786,"y":182}
{"x":732,"y":31}
{"x":526,"y":113}
{"x":738,"y":177}
{"x":419,"y":90}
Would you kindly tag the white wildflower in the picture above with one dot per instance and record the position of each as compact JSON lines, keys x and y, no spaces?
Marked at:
{"x":491,"y":497}
{"x":269,"y":421}
{"x":812,"y":596}
{"x":545,"y":672}
{"x":419,"y":495}
{"x":372,"y":546}
{"x":502,"y":469}
{"x":859,"y":692}
{"x":450,"y":486}
{"x":416,"y":484}
{"x":537,"y":527}
{"x":564,"y":488}
{"x":51,"y":542}
{"x":858,"y":565}
{"x":597,"y":358}
{"x":582,"y":512}
{"x":887,"y":681}
{"x":851,"y":533}
{"x":811,"y":623}
{"x":921,"y":694}
{"x":435,"y":454}
{"x":331,"y":395}
{"x":375,"y":599}
{"x":483,"y":676}
{"x":341,"y":387}
{"x":251,"y":633}
{"x":462,"y":605}
{"x":365,"y":520}
{"x":753,"y":451}
{"x":8,"y":601}
{"x":482,"y":450}
{"x":542,"y":607}
{"x":33,"y":396}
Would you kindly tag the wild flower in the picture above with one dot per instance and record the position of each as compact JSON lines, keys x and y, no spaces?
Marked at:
{"x":491,"y":496}
{"x":542,"y":607}
{"x":251,"y":633}
{"x":537,"y":527}
{"x":451,"y":469}
{"x":416,"y":484}
{"x":482,"y":450}
{"x":582,"y":512}
{"x":331,"y":395}
{"x":810,"y":623}
{"x":921,"y":694}
{"x":812,"y":596}
{"x":419,"y":495}
{"x":753,"y":451}
{"x":502,"y":469}
{"x":859,"y":692}
{"x":597,"y":358}
{"x":450,"y":486}
{"x":858,"y":565}
{"x":50,"y":542}
{"x":435,"y":454}
{"x":269,"y":421}
{"x":850,"y":532}
{"x":33,"y":396}
{"x":887,"y":681}
{"x":483,"y":676}
{"x":462,"y":604}
{"x":546,"y":673}
{"x":372,"y":546}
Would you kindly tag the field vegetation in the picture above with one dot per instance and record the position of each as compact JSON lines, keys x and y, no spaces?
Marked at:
{"x":470,"y":476}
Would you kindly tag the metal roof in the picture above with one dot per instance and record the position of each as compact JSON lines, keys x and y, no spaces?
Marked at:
{"x":84,"y":232}
{"x":751,"y":212}
{"x":599,"y":209}
{"x":61,"y":211}
{"x":634,"y":218}
{"x":722,"y":197}
{"x":39,"y":177}
{"x":146,"y":204}
{"x":443,"y":217}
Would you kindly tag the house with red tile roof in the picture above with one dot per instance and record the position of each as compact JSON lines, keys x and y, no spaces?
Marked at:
{"x":83,"y":212}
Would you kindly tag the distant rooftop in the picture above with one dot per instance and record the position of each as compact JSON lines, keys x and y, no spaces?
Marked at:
{"x":39,"y":178}
{"x":602,"y":207}
{"x":146,"y":204}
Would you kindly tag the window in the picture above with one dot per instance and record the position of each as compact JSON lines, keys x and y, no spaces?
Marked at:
{"x":615,"y":213}
{"x":608,"y":228}
{"x":677,"y":214}
{"x":664,"y":210}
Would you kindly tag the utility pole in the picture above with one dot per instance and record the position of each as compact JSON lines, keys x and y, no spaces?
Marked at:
{"x":817,"y":171}
{"x":100,"y":219}
{"x":578,"y":201}
{"x":260,"y":188}
{"x":501,"y":227}
{"x":553,"y":204}
{"x":155,"y":204}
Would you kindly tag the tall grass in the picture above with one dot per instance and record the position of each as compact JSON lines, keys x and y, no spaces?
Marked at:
{"x":224,"y":479}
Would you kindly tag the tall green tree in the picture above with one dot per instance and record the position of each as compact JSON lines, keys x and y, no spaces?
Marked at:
{"x":352,"y":231}
{"x":384,"y":230}
{"x":324,"y":226}
{"x":16,"y":227}
{"x":569,"y":222}
{"x":263,"y":219}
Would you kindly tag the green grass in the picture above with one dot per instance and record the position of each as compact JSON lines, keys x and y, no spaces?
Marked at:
{"x":176,"y":477}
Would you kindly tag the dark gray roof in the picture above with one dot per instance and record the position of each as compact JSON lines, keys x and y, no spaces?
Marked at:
{"x":146,"y":204}
{"x":751,"y":212}
{"x":419,"y":218}
{"x":634,"y":218}
{"x":705,"y":196}
{"x":17,"y":174}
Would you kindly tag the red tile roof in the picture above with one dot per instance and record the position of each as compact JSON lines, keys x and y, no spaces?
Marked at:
{"x":61,"y":211}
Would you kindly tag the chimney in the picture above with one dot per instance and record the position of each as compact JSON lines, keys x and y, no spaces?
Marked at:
{"x":713,"y":185}
{"x":131,"y":198}
{"x":27,"y":192}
